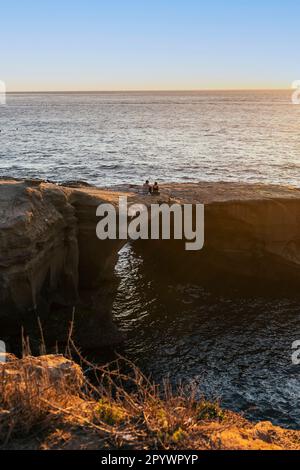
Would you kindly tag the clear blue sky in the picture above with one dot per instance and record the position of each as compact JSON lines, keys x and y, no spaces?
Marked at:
{"x":149,"y":44}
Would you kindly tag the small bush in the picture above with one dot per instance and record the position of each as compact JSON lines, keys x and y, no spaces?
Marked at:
{"x":206,"y":411}
{"x":161,"y":416}
{"x":110,"y":413}
{"x":178,"y":435}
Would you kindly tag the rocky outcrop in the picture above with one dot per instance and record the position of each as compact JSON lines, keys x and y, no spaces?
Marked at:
{"x":38,"y":247}
{"x":54,"y":369}
{"x":50,"y":256}
{"x":252,"y":238}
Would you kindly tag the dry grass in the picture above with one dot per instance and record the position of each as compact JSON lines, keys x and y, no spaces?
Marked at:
{"x":25,"y":389}
{"x":35,"y":397}
{"x":48,"y":403}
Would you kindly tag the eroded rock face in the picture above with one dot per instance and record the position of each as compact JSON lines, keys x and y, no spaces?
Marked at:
{"x":50,"y":256}
{"x":252,"y":239}
{"x":38,"y":247}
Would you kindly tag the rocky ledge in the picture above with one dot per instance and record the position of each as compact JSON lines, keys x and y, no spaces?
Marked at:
{"x":50,"y":257}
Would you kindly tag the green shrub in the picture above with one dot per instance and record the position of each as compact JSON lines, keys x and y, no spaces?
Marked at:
{"x":110,"y":413}
{"x":209,"y":411}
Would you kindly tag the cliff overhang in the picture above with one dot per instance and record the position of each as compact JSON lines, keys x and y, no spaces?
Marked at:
{"x":50,"y":254}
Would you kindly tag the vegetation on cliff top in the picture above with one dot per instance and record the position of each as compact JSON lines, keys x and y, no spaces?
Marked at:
{"x":48,"y":403}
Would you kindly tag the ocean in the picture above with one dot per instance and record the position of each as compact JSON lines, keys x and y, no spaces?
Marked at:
{"x":237,"y":350}
{"x":113,"y":138}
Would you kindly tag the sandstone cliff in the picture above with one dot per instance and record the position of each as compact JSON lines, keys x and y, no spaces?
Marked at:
{"x":50,"y":255}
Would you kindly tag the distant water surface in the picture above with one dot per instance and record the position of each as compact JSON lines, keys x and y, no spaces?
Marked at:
{"x":111,"y":138}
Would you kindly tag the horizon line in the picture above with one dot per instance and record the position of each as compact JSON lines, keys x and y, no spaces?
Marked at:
{"x":183,"y":90}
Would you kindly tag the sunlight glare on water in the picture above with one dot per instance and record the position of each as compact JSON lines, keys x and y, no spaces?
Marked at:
{"x":112,"y":138}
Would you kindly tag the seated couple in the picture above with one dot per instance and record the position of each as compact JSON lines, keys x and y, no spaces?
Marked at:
{"x":148,"y":189}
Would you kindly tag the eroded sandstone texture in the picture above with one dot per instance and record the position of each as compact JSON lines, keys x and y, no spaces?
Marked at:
{"x":252,"y":238}
{"x":50,"y":256}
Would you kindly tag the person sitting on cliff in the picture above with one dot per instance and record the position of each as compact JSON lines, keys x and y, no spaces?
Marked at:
{"x":155,"y":189}
{"x":147,"y":188}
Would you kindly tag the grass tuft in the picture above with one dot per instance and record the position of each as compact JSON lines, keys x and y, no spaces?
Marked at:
{"x":110,"y":413}
{"x":208,"y":411}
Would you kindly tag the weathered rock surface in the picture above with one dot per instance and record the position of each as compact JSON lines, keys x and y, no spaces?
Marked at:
{"x":260,"y":436}
{"x":252,"y":238}
{"x":50,"y":255}
{"x":54,"y":369}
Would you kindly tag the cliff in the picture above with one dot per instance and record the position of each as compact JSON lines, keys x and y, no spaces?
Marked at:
{"x":50,"y":257}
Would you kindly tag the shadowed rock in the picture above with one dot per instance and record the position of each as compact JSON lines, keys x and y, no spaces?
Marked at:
{"x":50,"y":255}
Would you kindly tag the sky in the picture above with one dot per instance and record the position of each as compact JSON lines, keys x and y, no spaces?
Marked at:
{"x":84,"y":45}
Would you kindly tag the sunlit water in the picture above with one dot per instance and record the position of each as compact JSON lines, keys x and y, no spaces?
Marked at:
{"x":112,"y":138}
{"x":235,"y":350}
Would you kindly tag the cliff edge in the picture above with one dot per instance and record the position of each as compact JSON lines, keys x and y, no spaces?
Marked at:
{"x":50,"y":256}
